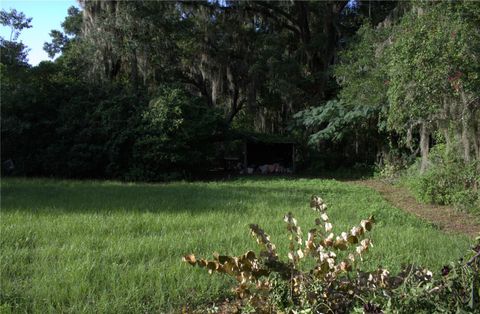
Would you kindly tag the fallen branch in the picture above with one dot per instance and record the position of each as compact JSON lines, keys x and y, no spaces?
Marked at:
{"x":470,"y":262}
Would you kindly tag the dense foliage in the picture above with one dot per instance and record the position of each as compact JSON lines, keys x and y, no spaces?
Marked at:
{"x":409,"y":84}
{"x":145,"y":90}
{"x":151,"y":90}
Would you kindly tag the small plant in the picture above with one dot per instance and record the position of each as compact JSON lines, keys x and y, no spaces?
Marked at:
{"x":330,"y":284}
{"x":266,"y":280}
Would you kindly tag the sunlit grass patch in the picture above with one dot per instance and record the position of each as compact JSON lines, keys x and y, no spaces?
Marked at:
{"x":110,"y":247}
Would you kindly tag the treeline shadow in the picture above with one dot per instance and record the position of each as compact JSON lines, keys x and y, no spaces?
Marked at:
{"x":50,"y":196}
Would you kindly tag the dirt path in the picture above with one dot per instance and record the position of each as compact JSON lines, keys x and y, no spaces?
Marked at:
{"x":445,"y":217}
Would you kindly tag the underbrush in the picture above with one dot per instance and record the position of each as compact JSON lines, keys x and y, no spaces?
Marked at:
{"x":447,"y":181}
{"x":323,"y":274}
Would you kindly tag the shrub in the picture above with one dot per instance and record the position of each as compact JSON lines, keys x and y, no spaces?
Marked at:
{"x":174,"y":138}
{"x":447,"y":181}
{"x":321,"y":275}
{"x":266,"y":281}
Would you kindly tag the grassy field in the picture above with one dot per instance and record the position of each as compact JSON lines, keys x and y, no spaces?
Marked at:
{"x":108,"y":247}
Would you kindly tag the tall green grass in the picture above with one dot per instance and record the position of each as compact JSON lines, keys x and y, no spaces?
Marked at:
{"x":108,"y":247}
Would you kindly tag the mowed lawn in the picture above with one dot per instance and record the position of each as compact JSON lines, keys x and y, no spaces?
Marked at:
{"x":108,"y":247}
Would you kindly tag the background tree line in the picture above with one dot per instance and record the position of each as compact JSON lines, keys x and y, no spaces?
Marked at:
{"x":410,"y":85}
{"x":148,"y":90}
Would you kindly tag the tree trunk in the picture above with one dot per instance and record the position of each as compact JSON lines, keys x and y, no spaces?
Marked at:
{"x":424,"y":147}
{"x":448,"y":141}
{"x":134,"y":70}
{"x":444,"y":125}
{"x":356,"y":143}
{"x":476,"y":129}
{"x":466,"y":115}
{"x":476,"y":137}
{"x":369,"y":9}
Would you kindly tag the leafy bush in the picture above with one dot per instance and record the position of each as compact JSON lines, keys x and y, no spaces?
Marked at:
{"x":174,"y":137}
{"x":85,"y":131}
{"x":322,"y":283}
{"x":322,"y":276}
{"x":447,"y":181}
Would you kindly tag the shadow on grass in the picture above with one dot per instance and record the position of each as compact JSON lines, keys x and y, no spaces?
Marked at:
{"x":340,"y":174}
{"x":49,"y":196}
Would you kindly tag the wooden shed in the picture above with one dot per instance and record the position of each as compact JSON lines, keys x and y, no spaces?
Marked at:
{"x":265,"y":149}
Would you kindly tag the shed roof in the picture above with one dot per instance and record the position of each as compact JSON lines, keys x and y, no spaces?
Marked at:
{"x":263,"y":137}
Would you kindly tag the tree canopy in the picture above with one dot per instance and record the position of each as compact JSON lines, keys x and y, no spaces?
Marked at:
{"x":139,"y":89}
